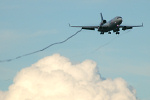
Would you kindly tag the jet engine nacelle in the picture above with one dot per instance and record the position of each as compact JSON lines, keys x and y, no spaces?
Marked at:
{"x":104,"y":21}
{"x":125,"y":28}
{"x":88,"y":28}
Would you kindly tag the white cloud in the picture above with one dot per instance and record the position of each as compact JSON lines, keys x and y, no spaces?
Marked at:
{"x":56,"y":78}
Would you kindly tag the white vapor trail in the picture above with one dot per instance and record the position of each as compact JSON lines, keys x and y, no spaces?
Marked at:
{"x":56,"y":78}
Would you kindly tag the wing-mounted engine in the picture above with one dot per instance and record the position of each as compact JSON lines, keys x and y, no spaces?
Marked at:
{"x":88,"y":28}
{"x":126,"y":27}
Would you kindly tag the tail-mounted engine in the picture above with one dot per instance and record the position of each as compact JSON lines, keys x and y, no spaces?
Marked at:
{"x":103,"y":22}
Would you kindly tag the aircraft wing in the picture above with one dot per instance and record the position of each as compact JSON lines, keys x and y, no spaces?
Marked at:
{"x":125,"y":27}
{"x":86,"y":27}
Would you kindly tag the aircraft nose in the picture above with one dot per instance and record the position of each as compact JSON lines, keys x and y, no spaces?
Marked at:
{"x":120,"y":19}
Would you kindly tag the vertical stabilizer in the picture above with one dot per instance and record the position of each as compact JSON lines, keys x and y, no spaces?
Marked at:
{"x":101,"y":17}
{"x":102,"y":20}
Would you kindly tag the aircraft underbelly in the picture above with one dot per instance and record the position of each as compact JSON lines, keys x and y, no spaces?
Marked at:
{"x":108,"y":27}
{"x":114,"y":26}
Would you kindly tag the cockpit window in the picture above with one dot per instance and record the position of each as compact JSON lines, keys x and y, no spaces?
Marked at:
{"x":119,"y":17}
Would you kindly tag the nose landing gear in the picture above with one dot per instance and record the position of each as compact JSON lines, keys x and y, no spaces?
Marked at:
{"x":109,"y":32}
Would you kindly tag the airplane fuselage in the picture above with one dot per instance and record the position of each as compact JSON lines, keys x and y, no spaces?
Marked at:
{"x":111,"y":25}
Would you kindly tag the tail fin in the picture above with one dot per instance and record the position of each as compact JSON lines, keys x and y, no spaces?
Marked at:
{"x":102,"y":20}
{"x":101,"y":17}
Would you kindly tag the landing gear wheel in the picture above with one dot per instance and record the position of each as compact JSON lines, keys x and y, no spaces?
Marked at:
{"x":117,"y":33}
{"x":102,"y":33}
{"x":109,"y":32}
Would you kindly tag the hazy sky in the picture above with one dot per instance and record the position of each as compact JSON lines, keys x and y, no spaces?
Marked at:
{"x":29,"y":25}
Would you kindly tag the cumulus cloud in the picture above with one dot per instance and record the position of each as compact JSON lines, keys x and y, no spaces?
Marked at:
{"x":56,"y":78}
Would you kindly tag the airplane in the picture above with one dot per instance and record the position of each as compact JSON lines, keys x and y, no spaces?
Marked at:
{"x":112,"y":25}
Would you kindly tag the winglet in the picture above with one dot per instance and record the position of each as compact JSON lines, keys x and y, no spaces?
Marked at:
{"x":142,"y":24}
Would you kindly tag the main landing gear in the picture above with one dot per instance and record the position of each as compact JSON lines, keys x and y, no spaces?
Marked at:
{"x":102,"y":33}
{"x":109,"y":32}
{"x":117,"y":32}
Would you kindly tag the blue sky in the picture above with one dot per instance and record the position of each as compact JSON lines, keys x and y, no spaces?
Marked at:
{"x":29,"y":25}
